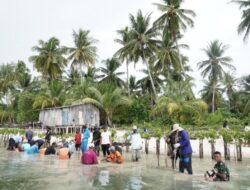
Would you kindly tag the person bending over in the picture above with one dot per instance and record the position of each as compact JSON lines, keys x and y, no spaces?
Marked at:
{"x":89,"y":157}
{"x":220,"y":171}
{"x":12,"y":144}
{"x":64,"y":153}
{"x":51,"y":149}
{"x":33,"y":149}
{"x":114,"y":156}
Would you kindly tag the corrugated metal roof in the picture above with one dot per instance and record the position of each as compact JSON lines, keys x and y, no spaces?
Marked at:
{"x":61,"y":107}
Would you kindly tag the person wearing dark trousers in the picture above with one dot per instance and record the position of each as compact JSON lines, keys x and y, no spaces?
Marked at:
{"x":105,"y":141}
{"x":96,"y":140}
{"x":185,"y":149}
{"x":48,"y":136}
{"x":29,"y":135}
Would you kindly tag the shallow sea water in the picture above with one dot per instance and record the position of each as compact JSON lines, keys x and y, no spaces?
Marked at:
{"x":19,"y":171}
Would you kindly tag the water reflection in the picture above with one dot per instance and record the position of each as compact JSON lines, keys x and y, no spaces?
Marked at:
{"x":21,"y":171}
{"x":104,"y":178}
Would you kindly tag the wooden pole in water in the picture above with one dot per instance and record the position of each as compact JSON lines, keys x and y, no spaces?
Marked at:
{"x":158,"y":150}
{"x":201,"y":148}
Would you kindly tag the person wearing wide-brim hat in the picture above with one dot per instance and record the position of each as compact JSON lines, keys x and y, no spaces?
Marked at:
{"x":185,"y":149}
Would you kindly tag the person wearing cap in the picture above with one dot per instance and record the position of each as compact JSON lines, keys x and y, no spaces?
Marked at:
{"x":185,"y":149}
{"x":136,"y":144}
{"x":89,"y":157}
{"x":114,"y":156}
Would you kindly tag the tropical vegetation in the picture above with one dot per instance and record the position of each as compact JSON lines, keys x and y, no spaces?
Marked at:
{"x":160,"y":94}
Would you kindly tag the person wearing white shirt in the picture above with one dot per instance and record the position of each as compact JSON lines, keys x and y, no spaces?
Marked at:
{"x":136,"y":144}
{"x":106,"y":141}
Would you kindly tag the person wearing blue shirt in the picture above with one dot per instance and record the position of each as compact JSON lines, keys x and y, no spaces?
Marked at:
{"x":85,"y":135}
{"x":26,"y":147}
{"x":185,"y":149}
{"x":33,"y":149}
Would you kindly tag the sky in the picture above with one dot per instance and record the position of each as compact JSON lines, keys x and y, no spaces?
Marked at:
{"x":24,"y":22}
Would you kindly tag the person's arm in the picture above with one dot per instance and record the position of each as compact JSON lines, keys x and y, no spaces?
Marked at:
{"x":101,"y":139}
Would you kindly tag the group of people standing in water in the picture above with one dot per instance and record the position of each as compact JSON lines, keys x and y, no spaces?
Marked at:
{"x":112,"y":152}
{"x":90,"y":149}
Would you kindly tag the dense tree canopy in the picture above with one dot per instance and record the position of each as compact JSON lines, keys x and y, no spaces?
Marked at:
{"x":161,"y":91}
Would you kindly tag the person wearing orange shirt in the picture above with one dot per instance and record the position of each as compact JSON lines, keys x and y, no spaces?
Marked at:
{"x":64,"y":153}
{"x":114,"y":156}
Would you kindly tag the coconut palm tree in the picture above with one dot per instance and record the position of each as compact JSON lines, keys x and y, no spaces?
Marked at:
{"x":229,"y":83}
{"x":51,"y":96}
{"x":246,"y":84}
{"x":8,"y":79}
{"x":180,"y":90}
{"x":124,"y":55}
{"x":73,"y":77}
{"x":173,"y":20}
{"x":91,"y":74}
{"x":168,"y":55}
{"x":145,"y":82}
{"x":244,"y":26}
{"x":108,"y":100}
{"x":23,"y":75}
{"x":50,"y":60}
{"x":212,"y":93}
{"x":110,"y":73}
{"x":213,"y":67}
{"x":134,"y":86}
{"x":143,"y":43}
{"x":84,"y":53}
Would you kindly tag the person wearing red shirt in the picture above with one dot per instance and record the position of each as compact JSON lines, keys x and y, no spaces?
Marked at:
{"x":78,"y":138}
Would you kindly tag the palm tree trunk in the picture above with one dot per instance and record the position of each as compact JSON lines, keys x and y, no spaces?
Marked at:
{"x":179,"y":55}
{"x":213,"y":97}
{"x":150,"y":77}
{"x":127,"y":63}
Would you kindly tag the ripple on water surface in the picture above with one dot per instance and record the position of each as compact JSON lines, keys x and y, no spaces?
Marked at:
{"x":19,"y":171}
